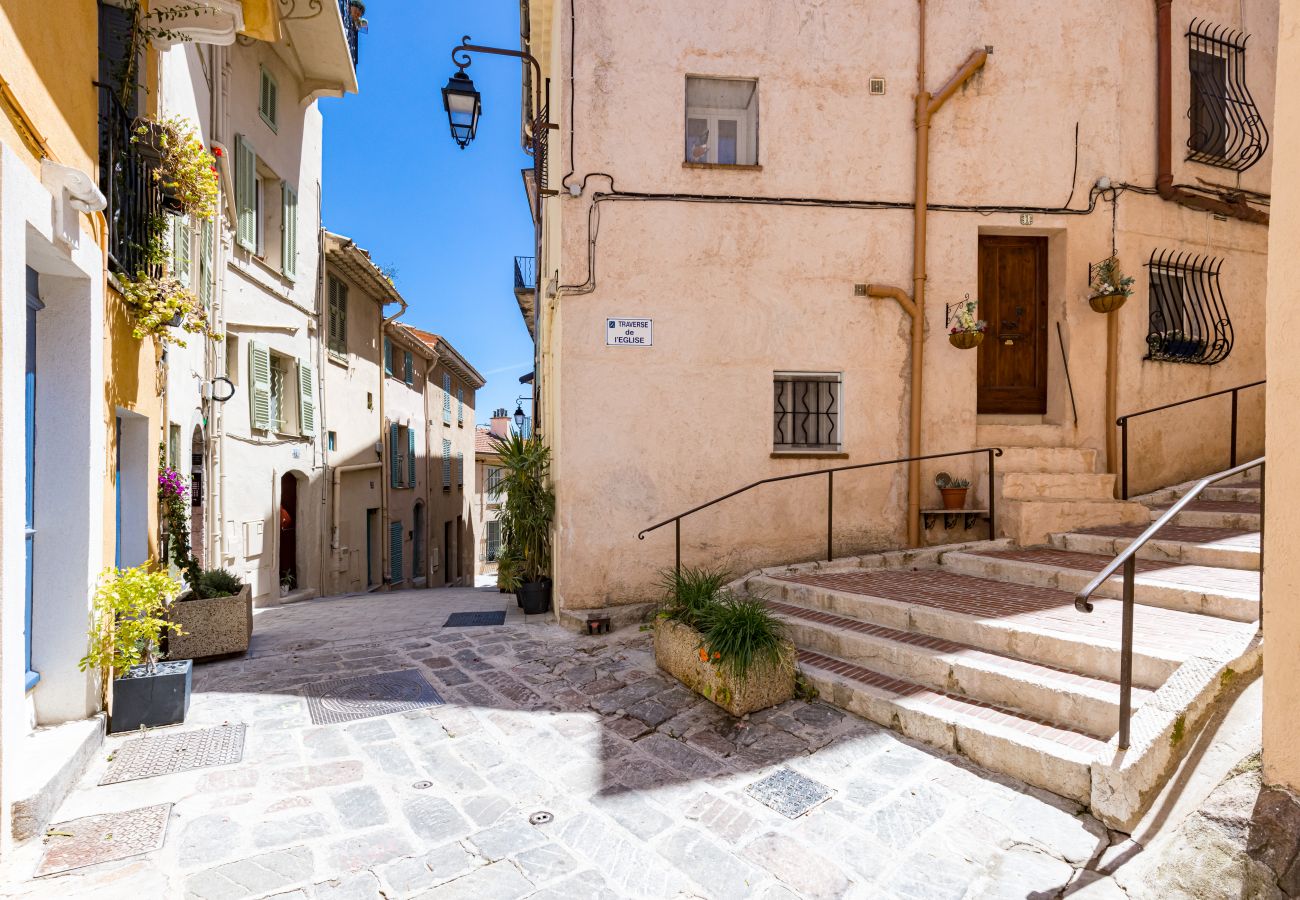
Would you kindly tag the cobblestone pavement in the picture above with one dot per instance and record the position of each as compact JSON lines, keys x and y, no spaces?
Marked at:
{"x":644,"y":782}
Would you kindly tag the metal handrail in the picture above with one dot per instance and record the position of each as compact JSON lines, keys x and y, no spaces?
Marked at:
{"x":1128,"y":559}
{"x":676,"y":520}
{"x":1122,"y":422}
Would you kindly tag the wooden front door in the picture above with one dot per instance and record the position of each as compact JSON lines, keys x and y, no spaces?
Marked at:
{"x":1013,"y":300}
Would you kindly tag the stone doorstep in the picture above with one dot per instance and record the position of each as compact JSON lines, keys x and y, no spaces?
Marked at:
{"x":1036,"y":752}
{"x":1197,"y":593}
{"x":1092,"y":704}
{"x":1232,"y":549}
{"x":50,"y":762}
{"x":1087,"y":654}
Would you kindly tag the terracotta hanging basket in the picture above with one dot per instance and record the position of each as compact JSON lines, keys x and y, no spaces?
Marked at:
{"x":1105,"y":303}
{"x":965,"y":340}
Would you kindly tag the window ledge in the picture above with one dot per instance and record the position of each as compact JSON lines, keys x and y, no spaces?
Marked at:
{"x":339,"y":359}
{"x":809,"y":454}
{"x":734,"y":167}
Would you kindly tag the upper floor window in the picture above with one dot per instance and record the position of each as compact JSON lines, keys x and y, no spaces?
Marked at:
{"x":338,"y":317}
{"x":806,"y":411}
{"x":282,"y":392}
{"x":446,"y":399}
{"x":721,"y":121}
{"x":1225,"y":127}
{"x":1187,"y":315}
{"x":265,"y":206}
{"x":388,"y":357}
{"x":268,"y":99}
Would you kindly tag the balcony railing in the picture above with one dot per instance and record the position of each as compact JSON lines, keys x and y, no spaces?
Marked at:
{"x":126,"y":179}
{"x":352,"y":28}
{"x":525,"y":273}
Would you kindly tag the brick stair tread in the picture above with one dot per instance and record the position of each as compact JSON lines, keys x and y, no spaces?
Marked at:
{"x":1156,"y":631}
{"x":1051,"y":676}
{"x":1232,"y":582}
{"x":1027,"y":729}
{"x":1186,"y":534}
{"x":1228,"y":506}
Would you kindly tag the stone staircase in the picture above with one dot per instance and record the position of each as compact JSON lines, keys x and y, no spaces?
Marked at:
{"x":978,"y":649}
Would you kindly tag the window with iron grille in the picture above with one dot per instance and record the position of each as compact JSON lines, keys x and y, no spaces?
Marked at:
{"x":1188,"y":316}
{"x":492,"y":540}
{"x":806,"y":411}
{"x":1226,"y":128}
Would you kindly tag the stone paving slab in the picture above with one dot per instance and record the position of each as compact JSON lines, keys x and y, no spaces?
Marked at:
{"x":645,"y":781}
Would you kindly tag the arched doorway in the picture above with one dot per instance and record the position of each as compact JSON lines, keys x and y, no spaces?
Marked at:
{"x":418,"y":543}
{"x":198,"y":517}
{"x":288,"y":533}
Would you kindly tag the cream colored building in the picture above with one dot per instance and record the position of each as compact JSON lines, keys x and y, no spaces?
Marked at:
{"x":737,"y":198}
{"x":487,"y":499}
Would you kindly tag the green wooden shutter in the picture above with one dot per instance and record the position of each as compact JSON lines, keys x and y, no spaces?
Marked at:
{"x":410,"y":457}
{"x":245,"y":194}
{"x":388,"y":357}
{"x":394,"y":468}
{"x":446,"y":463}
{"x":460,"y":406}
{"x":338,"y":324}
{"x":268,"y":99}
{"x":259,"y":390}
{"x":207,"y":234}
{"x":288,"y":231}
{"x":408,"y":367}
{"x":395,"y":552}
{"x":306,"y":399}
{"x":181,"y":254}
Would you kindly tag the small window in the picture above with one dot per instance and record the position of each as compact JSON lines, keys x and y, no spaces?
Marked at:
{"x":174,"y":446}
{"x":493,"y":540}
{"x":1187,"y":314}
{"x":1225,"y":127}
{"x":331,"y":440}
{"x":721,"y":121}
{"x":806,"y":412}
{"x":388,"y":357}
{"x":267,"y":102}
{"x":494,"y":483}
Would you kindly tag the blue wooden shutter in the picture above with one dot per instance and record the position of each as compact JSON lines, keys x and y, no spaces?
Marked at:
{"x":245,"y":194}
{"x":410,"y":457}
{"x":460,"y":406}
{"x":288,"y":231}
{"x":446,"y":463}
{"x":446,"y":398}
{"x":394,"y":467}
{"x":408,"y":367}
{"x":395,"y":552}
{"x":388,"y":357}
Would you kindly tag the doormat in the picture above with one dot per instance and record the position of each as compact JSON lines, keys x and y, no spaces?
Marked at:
{"x":103,"y":838}
{"x":347,"y":699}
{"x":165,"y":754}
{"x":789,"y":793}
{"x":468,"y":619}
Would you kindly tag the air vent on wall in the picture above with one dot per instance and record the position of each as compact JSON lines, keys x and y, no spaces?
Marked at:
{"x":876,"y":85}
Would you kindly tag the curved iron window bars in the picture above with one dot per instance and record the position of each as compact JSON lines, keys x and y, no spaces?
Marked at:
{"x":1189,"y":320}
{"x":1226,"y":127}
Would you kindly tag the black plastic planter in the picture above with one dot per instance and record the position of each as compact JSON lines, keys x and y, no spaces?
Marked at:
{"x":535,"y":597}
{"x":154,"y":700}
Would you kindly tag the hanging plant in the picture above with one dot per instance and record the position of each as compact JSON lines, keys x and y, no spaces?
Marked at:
{"x":1109,"y":287}
{"x":185,"y":171}
{"x":160,"y":306}
{"x":965,"y":331}
{"x":173,"y":496}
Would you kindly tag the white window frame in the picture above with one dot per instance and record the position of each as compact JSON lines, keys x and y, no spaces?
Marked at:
{"x":747,"y":123}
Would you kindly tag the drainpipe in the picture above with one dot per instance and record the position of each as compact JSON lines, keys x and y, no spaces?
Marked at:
{"x":1235,"y":208}
{"x":926,"y":106}
{"x":383,"y":438}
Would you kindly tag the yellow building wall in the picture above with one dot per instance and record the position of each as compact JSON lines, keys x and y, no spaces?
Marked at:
{"x":1282,"y":566}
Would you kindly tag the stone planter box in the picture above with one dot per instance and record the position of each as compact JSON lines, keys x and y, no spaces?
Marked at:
{"x":766,"y":684}
{"x":217,"y":626}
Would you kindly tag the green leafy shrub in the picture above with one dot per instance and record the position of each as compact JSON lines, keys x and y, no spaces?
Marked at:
{"x":217,"y":583}
{"x":741,"y":632}
{"x":128,"y":618}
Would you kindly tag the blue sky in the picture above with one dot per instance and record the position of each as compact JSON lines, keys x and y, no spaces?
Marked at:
{"x":450,"y":220}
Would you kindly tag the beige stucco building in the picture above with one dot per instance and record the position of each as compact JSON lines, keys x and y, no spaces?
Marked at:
{"x":488,"y":500}
{"x":736,"y":199}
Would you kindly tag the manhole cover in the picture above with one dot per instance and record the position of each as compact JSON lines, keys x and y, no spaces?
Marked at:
{"x":103,"y":838}
{"x":789,"y":793}
{"x":540,"y":818}
{"x":347,"y":699}
{"x":469,"y":619}
{"x":164,"y":754}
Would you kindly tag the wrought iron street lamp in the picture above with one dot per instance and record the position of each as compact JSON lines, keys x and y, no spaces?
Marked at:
{"x":520,"y":418}
{"x":463,"y":106}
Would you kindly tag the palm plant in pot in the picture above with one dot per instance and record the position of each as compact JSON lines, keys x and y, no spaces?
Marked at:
{"x":526,"y":517}
{"x":128,"y":619}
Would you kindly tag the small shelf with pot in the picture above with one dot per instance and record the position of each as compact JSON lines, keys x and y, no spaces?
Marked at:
{"x":950,"y":516}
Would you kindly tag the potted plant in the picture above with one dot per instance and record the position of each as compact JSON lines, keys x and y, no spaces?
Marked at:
{"x":162,"y":306}
{"x":728,"y":649}
{"x":183,"y":169}
{"x":966,"y":331}
{"x":953,"y":490}
{"x":127,"y":623}
{"x":526,"y":517}
{"x":1110,"y":287}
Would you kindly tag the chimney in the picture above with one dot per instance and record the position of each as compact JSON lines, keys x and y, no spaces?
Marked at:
{"x":500,"y":423}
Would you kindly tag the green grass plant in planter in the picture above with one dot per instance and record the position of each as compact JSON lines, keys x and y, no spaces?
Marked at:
{"x":741,"y":632}
{"x":691,"y":595}
{"x":526,"y":518}
{"x":128,"y":618}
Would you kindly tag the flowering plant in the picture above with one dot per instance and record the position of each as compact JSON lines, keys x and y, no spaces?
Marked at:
{"x":964,"y":320}
{"x":172,"y":497}
{"x":157,"y":303}
{"x":1108,"y":279}
{"x":188,"y":172}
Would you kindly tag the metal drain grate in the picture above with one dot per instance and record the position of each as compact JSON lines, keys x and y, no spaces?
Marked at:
{"x":164,"y":754}
{"x":468,"y":619}
{"x":789,"y":793}
{"x":331,"y":702}
{"x":103,"y":838}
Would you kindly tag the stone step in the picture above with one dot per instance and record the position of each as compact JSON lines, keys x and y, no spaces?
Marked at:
{"x":1031,"y":522}
{"x":1041,"y":753}
{"x":1225,"y":548}
{"x":1035,"y":624}
{"x":1047,"y":459}
{"x":1056,"y":486}
{"x":1090,"y":704}
{"x":1222,"y":491}
{"x":1225,"y":593}
{"x":1010,"y":435}
{"x":1214,"y":514}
